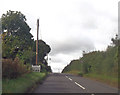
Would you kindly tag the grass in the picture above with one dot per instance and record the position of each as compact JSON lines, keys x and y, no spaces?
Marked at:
{"x":74,"y":72}
{"x":110,"y":80}
{"x":22,"y":84}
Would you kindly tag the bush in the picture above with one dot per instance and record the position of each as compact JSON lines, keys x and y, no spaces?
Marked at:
{"x":80,"y":74}
{"x":12,"y":68}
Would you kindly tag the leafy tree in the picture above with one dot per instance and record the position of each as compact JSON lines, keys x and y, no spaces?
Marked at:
{"x":15,"y":34}
{"x":13,"y":22}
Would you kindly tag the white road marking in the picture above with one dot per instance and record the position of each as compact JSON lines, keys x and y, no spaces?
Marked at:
{"x":76,"y":83}
{"x":66,"y":76}
{"x":79,"y":85}
{"x":70,"y":79}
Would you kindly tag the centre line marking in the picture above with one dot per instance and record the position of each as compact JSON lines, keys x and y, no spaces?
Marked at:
{"x":70,"y":79}
{"x":66,"y":76}
{"x":79,"y":85}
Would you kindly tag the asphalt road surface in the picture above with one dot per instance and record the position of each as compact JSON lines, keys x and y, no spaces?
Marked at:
{"x":66,"y":83}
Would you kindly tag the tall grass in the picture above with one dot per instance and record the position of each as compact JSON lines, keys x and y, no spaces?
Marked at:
{"x":113,"y":81}
{"x":22,"y":84}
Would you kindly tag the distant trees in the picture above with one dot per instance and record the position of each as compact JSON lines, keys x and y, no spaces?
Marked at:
{"x":116,"y":40}
{"x":43,"y":50}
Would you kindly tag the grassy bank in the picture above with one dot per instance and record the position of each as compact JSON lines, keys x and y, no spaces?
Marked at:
{"x":22,"y":84}
{"x":110,"y":80}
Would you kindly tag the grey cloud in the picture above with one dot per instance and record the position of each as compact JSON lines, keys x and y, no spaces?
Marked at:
{"x":71,"y":45}
{"x":90,"y":24}
{"x":57,"y":59}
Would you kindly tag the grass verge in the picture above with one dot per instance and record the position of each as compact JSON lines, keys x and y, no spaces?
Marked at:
{"x":72,"y":72}
{"x":110,"y":80}
{"x":22,"y":84}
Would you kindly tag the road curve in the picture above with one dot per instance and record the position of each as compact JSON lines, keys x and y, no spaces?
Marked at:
{"x":66,"y":83}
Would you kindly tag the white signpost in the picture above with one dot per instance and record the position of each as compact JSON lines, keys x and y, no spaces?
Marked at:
{"x":36,"y":68}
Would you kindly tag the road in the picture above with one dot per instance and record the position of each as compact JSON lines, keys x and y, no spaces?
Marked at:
{"x":66,"y":83}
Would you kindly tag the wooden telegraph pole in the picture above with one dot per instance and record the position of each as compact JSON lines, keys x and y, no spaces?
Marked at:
{"x":37,"y":41}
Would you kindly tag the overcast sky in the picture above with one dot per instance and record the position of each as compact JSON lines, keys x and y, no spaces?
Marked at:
{"x":69,"y":26}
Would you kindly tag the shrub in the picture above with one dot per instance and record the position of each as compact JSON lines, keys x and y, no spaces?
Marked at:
{"x":12,"y":68}
{"x":80,"y":74}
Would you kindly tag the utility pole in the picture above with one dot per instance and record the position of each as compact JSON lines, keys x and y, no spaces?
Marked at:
{"x":37,"y":41}
{"x":37,"y":68}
